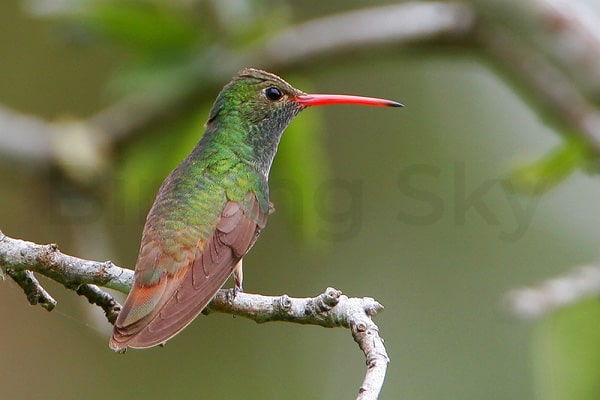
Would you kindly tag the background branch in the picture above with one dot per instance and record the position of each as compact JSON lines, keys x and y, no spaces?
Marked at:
{"x":330,"y":309}
{"x":357,"y":30}
{"x":537,"y":301}
{"x":555,"y":60}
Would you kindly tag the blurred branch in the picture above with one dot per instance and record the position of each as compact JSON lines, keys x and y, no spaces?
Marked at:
{"x":19,"y":259}
{"x":28,"y":137}
{"x":24,"y":138}
{"x":537,"y":301}
{"x":559,"y":89}
{"x":570,"y":35}
{"x":324,"y":37}
{"x":552,"y":49}
{"x":398,"y":24}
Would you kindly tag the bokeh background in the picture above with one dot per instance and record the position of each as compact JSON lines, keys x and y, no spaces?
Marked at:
{"x":410,"y":206}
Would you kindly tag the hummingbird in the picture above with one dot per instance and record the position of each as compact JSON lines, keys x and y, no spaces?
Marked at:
{"x":212,"y":207}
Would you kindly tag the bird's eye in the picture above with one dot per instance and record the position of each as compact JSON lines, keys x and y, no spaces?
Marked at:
{"x":272,"y":93}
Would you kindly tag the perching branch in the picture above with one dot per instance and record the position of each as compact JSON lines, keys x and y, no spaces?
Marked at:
{"x":330,"y":309}
{"x":18,"y":255}
{"x":20,"y":259}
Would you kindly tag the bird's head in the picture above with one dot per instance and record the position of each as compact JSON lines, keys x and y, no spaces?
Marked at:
{"x":262,"y":105}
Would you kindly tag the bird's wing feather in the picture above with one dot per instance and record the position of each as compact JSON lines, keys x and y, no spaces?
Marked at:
{"x":153,"y":314}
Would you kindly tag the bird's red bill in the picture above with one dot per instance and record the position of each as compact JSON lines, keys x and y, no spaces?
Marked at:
{"x":324,"y":99}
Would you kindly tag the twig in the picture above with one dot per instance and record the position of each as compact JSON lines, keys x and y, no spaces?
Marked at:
{"x":35,"y":293}
{"x":537,"y":301}
{"x":102,"y":299}
{"x":329,"y":309}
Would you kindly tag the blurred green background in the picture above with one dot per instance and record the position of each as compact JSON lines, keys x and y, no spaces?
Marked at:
{"x":375,"y":202}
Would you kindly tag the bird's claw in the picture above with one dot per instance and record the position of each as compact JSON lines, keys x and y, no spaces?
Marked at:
{"x":233,"y":292}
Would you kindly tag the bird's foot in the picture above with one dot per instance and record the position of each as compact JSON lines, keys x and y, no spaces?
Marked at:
{"x":233,"y":292}
{"x":237,"y":289}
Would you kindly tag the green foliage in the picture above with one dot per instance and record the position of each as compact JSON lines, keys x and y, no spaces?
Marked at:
{"x":566,"y":355}
{"x":542,"y":175}
{"x":144,"y":27}
{"x":166,"y":46}
{"x":147,"y":162}
{"x":160,"y":41}
{"x":168,"y":43}
{"x":300,"y":168}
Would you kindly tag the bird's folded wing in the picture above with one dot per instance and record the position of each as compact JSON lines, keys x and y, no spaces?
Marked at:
{"x":153,"y":314}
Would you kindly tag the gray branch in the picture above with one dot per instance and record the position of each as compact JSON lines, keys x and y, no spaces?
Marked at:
{"x":99,"y":297}
{"x":35,"y":293}
{"x":558,"y":89}
{"x":20,"y":259}
{"x":398,"y":24}
{"x":534,"y":302}
{"x":47,"y":260}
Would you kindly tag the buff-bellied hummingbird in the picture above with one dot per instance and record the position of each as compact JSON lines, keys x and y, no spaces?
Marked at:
{"x":210,"y":210}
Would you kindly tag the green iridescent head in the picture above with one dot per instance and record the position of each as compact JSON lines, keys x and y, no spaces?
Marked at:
{"x":259,"y":106}
{"x":255,"y":108}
